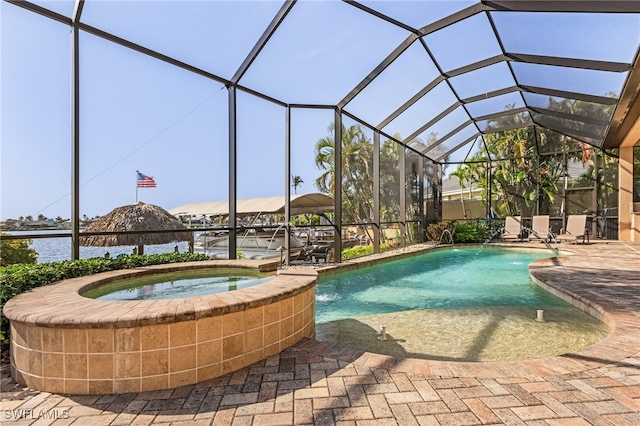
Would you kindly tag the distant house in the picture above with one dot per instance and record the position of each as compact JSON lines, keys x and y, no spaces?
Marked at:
{"x":10,"y":224}
{"x":451,"y":190}
{"x":461,"y":203}
{"x":39,"y":224}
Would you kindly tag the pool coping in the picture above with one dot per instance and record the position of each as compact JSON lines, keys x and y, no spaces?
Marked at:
{"x":62,"y":305}
{"x":64,"y":342}
{"x":620,"y":347}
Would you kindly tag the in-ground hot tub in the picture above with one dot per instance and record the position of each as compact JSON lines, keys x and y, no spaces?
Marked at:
{"x":63,"y":342}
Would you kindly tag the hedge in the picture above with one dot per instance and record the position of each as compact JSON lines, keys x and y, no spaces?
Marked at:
{"x":18,"y":278}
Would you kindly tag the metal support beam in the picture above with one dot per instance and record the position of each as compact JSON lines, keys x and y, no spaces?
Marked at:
{"x":627,"y":112}
{"x":569,"y":116}
{"x":402,"y":190}
{"x":609,"y":6}
{"x":504,"y":113}
{"x":431,"y":122}
{"x":152,"y":53}
{"x":233,"y":193}
{"x":337,"y":185}
{"x":569,"y":62}
{"x":569,"y":95}
{"x":262,"y":41}
{"x":410,"y":102}
{"x":457,"y":147}
{"x":421,"y":212}
{"x":490,"y":187}
{"x":378,"y":70}
{"x":287,"y":189}
{"x":571,"y":133}
{"x":453,"y":18}
{"x":75,"y":131}
{"x":376,"y":191}
{"x":542,"y":60}
{"x":381,"y":16}
{"x":447,"y":136}
{"x":42,"y":11}
{"x":476,"y":66}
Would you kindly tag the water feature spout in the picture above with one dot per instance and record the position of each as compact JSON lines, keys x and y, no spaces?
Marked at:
{"x":281,"y":248}
{"x":547,"y":240}
{"x":445,"y":232}
{"x":383,"y":333}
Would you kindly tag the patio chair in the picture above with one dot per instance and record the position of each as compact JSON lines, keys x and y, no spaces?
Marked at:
{"x":512,"y":228}
{"x":576,"y":228}
{"x":540,"y":228}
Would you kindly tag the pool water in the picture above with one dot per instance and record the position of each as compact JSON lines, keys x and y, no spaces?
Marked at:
{"x":179,"y":284}
{"x":446,"y":278}
{"x":459,"y":304}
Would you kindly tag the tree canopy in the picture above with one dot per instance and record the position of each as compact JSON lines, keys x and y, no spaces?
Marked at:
{"x":528,"y":163}
{"x":16,"y":251}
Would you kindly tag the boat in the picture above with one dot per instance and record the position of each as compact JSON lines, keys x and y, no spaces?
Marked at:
{"x":253,"y":244}
{"x":264,"y":237}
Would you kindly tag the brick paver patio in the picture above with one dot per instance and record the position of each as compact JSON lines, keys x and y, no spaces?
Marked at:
{"x":319,"y":383}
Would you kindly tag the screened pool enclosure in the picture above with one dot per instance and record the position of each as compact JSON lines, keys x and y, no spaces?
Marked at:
{"x":533,"y":104}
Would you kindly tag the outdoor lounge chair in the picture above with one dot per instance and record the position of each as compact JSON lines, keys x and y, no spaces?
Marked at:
{"x":540,"y":228}
{"x":512,"y":228}
{"x":576,"y":228}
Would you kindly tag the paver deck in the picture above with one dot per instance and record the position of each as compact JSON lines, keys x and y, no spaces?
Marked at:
{"x":323,"y":384}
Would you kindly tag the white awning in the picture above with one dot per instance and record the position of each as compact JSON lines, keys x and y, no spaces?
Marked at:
{"x":304,"y":203}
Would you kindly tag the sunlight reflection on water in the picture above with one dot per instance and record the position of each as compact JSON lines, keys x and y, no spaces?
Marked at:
{"x":459,"y":304}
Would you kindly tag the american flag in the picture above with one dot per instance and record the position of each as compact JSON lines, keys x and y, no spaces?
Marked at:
{"x":145,"y":181}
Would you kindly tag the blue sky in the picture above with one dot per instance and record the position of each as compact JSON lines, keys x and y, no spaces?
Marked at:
{"x":138,"y":113}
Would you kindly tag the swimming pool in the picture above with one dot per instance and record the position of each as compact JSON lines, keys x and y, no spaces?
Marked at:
{"x":465,"y":304}
{"x":444,"y":278}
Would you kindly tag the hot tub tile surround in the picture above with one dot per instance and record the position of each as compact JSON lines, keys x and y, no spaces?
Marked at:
{"x":66,"y":343}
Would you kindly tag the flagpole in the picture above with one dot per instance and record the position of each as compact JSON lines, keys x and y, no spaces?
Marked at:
{"x":137,"y":171}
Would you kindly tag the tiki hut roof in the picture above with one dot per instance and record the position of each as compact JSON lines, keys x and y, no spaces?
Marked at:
{"x":136,"y":217}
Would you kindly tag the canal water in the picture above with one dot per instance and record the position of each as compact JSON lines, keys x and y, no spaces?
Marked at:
{"x":59,"y":249}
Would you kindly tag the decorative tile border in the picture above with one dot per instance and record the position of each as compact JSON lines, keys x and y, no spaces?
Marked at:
{"x":66,"y":343}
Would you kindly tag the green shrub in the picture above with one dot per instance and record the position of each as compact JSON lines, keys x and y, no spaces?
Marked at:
{"x":18,"y":278}
{"x":359,"y":251}
{"x":469,"y":232}
{"x":16,"y":251}
{"x":463,"y":232}
{"x":435,"y":230}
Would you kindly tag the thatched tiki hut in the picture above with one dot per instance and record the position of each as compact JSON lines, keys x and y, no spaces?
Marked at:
{"x":136,"y":217}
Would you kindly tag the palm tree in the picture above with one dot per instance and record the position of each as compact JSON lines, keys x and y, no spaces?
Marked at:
{"x":296,"y":181}
{"x":390,"y":185}
{"x":462,"y":173}
{"x":357,"y":178}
